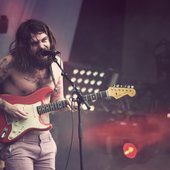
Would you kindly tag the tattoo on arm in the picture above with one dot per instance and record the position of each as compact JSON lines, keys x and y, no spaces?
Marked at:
{"x":5,"y":65}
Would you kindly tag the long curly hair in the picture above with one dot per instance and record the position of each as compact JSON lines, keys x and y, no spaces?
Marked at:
{"x":20,"y":47}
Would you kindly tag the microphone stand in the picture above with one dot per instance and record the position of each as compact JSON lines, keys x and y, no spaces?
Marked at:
{"x":80,"y":100}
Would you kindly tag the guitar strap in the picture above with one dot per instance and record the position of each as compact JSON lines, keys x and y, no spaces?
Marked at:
{"x":52,"y":75}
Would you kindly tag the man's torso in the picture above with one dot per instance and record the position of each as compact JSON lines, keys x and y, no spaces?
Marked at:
{"x":22,"y":84}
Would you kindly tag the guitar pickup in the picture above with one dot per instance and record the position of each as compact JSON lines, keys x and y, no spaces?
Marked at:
{"x":3,"y":134}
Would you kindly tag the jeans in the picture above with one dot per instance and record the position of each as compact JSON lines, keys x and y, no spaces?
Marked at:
{"x":31,"y":152}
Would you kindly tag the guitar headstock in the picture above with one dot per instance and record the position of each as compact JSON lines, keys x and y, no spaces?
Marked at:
{"x":118,"y":91}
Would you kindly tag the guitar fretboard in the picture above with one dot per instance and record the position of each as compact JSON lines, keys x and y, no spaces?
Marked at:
{"x":62,"y":104}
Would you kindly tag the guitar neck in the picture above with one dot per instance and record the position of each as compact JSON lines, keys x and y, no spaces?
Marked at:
{"x":63,"y":104}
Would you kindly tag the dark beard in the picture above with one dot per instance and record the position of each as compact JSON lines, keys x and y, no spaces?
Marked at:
{"x":26,"y":62}
{"x":41,"y":62}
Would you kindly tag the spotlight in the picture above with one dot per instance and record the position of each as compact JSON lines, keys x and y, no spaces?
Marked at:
{"x":87,"y":79}
{"x":129,"y":150}
{"x":91,"y":78}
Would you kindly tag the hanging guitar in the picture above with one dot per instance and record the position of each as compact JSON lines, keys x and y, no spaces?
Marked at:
{"x":12,"y":129}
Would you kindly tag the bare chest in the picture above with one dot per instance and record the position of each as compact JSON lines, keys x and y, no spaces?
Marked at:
{"x":23,"y":84}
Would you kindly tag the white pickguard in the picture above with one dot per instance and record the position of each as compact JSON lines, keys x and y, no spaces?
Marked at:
{"x":19,"y":126}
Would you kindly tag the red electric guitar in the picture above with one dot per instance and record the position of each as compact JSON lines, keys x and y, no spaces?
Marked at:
{"x":12,"y":129}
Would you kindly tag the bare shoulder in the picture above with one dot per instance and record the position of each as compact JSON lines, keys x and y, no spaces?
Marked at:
{"x":6,"y":60}
{"x":5,"y":66}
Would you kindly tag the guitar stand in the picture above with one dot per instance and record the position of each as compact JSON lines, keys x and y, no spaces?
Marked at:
{"x":80,"y":100}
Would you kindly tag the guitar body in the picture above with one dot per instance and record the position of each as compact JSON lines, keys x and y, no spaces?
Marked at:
{"x":11,"y":129}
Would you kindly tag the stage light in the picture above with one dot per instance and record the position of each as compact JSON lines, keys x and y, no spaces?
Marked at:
{"x":75,"y":71}
{"x":168,"y":115}
{"x":129,"y":150}
{"x":89,"y":73}
{"x":102,"y":74}
{"x":96,"y":90}
{"x":79,"y":80}
{"x":70,"y":88}
{"x":95,"y":73}
{"x":92,"y":82}
{"x":82,"y":72}
{"x":99,"y":83}
{"x":87,"y":79}
{"x":73,"y":79}
{"x":83,"y":89}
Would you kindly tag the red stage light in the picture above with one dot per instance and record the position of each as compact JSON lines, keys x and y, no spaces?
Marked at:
{"x":129,"y":150}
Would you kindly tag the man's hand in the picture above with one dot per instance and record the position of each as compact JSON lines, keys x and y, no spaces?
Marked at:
{"x":73,"y":105}
{"x":13,"y":111}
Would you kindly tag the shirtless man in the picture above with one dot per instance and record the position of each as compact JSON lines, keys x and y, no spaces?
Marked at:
{"x":23,"y":72}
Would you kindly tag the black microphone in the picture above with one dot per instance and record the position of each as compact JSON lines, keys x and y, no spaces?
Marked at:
{"x":45,"y":52}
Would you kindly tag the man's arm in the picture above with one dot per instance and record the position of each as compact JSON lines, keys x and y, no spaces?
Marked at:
{"x":59,"y":95}
{"x":5,"y":69}
{"x":5,"y":65}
